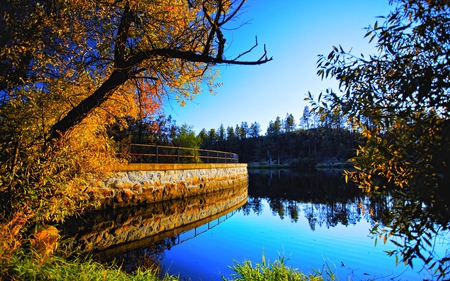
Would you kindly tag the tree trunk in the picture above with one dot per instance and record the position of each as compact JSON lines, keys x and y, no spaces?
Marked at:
{"x":82,"y":110}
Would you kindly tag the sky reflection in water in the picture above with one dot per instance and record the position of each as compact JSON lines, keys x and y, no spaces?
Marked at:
{"x":348,"y":249}
{"x":311,"y":219}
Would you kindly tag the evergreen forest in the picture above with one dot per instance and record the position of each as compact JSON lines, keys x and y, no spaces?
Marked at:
{"x":327,"y":141}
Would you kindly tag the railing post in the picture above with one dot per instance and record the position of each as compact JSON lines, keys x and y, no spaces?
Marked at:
{"x":156,"y":153}
{"x":217,"y":156}
{"x":207,"y":156}
{"x":178,"y":154}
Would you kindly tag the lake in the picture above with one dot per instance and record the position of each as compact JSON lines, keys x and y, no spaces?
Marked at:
{"x":311,"y":219}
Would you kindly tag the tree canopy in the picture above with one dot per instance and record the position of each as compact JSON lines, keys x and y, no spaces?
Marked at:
{"x":143,"y":48}
{"x":399,"y":98}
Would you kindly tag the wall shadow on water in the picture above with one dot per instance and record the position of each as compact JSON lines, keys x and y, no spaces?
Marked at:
{"x":138,"y":236}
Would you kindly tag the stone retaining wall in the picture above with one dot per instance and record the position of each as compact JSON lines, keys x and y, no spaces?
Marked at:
{"x":136,"y":184}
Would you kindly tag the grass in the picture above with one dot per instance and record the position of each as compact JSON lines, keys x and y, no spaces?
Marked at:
{"x":275,"y":271}
{"x":56,"y":268}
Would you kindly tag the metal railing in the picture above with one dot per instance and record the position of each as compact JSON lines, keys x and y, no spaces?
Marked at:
{"x":153,"y":153}
{"x":192,"y":233}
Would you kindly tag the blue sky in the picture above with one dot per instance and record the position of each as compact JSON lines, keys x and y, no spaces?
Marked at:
{"x":295,"y":32}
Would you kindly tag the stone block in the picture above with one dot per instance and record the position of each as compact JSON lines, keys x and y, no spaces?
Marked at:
{"x":137,"y":188}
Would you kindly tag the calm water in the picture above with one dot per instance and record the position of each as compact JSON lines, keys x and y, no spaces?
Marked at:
{"x":311,"y":219}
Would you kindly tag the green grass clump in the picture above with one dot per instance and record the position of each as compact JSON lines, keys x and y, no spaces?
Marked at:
{"x":57,"y":268}
{"x":275,"y":271}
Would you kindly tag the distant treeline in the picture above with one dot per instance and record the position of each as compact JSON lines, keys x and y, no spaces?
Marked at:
{"x":312,"y":142}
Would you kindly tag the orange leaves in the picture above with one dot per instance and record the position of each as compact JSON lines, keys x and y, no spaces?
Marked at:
{"x":363,"y":209}
{"x":10,"y":235}
{"x":147,"y":97}
{"x":44,"y":242}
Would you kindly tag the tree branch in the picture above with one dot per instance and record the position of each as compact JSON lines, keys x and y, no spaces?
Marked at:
{"x":82,"y":110}
{"x":195,"y":57}
{"x":122,"y":36}
{"x":124,"y":62}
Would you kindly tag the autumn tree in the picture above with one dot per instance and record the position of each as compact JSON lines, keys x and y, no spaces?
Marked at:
{"x":89,"y":53}
{"x":399,"y":98}
{"x":152,"y":47}
{"x":71,"y":69}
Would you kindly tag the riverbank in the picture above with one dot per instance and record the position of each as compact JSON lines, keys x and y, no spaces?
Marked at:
{"x":58,"y":268}
{"x":321,"y":165}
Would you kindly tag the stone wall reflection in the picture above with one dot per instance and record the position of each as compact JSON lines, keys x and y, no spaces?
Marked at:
{"x":111,"y":232}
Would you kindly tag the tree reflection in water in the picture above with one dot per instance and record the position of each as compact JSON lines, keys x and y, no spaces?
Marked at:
{"x":327,"y":200}
{"x":414,"y":222}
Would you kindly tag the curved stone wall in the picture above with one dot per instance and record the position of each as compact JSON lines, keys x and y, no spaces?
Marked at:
{"x":136,"y":184}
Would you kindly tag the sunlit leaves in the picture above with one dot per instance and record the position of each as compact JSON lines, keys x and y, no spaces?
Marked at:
{"x":399,"y":100}
{"x":162,"y":47}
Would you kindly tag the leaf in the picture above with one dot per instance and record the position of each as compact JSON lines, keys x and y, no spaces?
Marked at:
{"x":368,"y":33}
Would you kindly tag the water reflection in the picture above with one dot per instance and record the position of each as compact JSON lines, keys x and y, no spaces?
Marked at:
{"x":418,"y":229}
{"x":138,"y":236}
{"x":326,"y":199}
{"x":313,"y":215}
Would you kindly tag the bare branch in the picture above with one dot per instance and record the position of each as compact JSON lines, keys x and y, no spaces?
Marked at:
{"x":215,"y":27}
{"x":234,"y":13}
{"x":195,"y":57}
{"x":262,"y":59}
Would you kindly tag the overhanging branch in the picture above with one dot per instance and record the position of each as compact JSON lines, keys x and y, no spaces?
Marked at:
{"x":195,"y":57}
